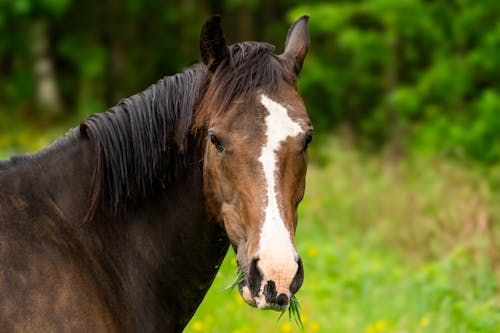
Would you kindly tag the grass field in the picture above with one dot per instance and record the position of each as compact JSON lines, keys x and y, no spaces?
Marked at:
{"x":388,"y":246}
{"x":407,"y":246}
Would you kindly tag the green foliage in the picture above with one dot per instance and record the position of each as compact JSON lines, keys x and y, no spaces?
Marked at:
{"x":417,"y":74}
{"x":424,"y":71}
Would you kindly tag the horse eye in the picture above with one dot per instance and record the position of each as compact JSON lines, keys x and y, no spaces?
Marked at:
{"x":216,"y":142}
{"x":308,"y":140}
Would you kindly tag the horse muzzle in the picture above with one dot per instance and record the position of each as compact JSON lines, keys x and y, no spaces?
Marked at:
{"x":273,"y":290}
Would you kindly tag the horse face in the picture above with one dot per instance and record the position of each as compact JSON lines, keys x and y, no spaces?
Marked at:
{"x":254,"y":166}
{"x":256,"y":162}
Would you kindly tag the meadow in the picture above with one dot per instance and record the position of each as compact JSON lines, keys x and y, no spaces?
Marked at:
{"x":405,"y":246}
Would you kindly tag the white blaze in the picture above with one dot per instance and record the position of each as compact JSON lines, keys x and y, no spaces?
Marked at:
{"x":276,"y":250}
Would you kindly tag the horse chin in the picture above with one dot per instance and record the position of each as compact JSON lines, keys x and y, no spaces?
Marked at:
{"x":246,"y":294}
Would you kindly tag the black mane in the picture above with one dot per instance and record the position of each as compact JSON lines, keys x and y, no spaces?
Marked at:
{"x":142,"y":141}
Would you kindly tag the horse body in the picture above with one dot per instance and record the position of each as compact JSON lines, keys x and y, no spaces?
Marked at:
{"x":121,"y":225}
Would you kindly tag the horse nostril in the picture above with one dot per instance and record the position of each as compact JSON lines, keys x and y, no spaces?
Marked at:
{"x":282,"y":300}
{"x":254,"y":277}
{"x":298,"y":279}
{"x":270,"y":291}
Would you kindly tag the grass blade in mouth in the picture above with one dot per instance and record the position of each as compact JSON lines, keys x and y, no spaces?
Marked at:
{"x":240,"y":277}
{"x":294,"y":312}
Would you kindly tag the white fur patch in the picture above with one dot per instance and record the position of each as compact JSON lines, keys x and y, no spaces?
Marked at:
{"x":276,"y":251}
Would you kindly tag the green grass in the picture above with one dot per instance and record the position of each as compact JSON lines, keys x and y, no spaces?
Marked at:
{"x":240,"y":277}
{"x":387,"y":246}
{"x":294,"y":312}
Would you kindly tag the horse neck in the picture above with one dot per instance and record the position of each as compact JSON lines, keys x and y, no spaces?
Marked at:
{"x":164,"y":252}
{"x":173,"y":253}
{"x":63,"y":172}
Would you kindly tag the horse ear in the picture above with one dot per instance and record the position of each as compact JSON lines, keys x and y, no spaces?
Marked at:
{"x":212,"y":43}
{"x":297,"y":44}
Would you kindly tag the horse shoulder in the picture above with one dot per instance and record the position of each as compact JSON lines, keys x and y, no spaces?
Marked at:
{"x":46,"y":281}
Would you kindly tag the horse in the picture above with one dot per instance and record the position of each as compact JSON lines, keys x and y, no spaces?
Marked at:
{"x":121,"y":224}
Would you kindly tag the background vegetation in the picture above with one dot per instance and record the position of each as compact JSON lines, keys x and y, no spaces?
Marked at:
{"x":399,"y":229}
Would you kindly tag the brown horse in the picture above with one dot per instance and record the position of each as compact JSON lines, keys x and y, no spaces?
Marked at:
{"x":121,"y":225}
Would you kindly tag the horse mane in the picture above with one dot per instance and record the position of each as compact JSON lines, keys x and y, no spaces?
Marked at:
{"x":141,"y":142}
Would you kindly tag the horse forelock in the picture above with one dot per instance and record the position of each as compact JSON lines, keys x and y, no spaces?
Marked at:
{"x":249,"y":66}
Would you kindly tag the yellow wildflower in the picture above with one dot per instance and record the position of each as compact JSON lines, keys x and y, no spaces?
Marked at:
{"x":380,"y":325}
{"x":424,"y":322}
{"x":314,"y":327}
{"x":234,"y":263}
{"x":286,"y":327}
{"x":312,"y":251}
{"x":370,"y":329}
{"x":197,"y":326}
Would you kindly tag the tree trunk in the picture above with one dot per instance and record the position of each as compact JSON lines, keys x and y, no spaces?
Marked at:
{"x":47,"y":90}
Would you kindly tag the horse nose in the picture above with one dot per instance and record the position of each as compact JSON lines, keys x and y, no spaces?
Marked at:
{"x":254,"y":277}
{"x":282,"y":300}
{"x":298,"y":278}
{"x":265,"y":291}
{"x":271,"y":296}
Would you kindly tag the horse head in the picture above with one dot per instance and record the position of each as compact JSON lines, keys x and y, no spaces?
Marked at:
{"x":256,"y":131}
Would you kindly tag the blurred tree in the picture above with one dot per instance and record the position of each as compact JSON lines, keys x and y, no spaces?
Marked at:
{"x":414,"y":73}
{"x":25,"y":34}
{"x":408,"y":70}
{"x":47,"y":95}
